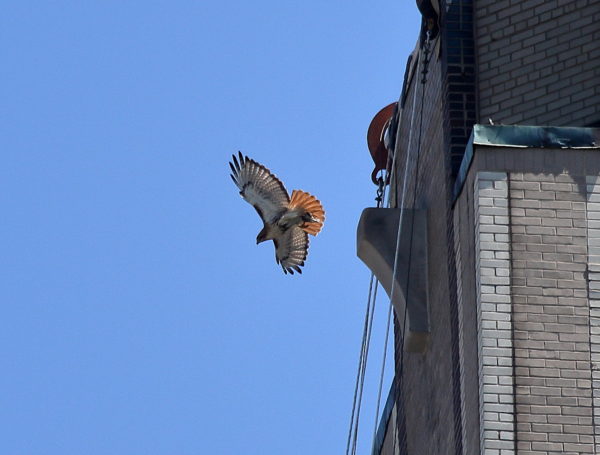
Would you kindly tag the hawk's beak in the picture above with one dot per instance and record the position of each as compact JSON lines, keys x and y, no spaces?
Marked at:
{"x":262,"y":235}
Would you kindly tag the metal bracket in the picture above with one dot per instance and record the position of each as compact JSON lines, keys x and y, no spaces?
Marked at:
{"x":376,"y":244}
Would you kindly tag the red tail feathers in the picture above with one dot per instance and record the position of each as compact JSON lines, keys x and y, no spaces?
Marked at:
{"x":313,"y":207}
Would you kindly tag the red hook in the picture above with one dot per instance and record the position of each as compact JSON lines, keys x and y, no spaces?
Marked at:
{"x":375,"y":135}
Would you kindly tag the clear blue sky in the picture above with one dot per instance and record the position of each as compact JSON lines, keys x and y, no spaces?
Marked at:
{"x":137,"y":314}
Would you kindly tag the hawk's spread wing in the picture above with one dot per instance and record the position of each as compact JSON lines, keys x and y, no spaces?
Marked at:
{"x":291,"y":249}
{"x":259,"y":187}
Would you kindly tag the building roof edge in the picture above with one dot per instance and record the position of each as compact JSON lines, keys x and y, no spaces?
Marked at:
{"x":525,"y":136}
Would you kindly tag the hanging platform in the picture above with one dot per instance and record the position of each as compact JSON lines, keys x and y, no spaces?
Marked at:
{"x":375,"y":244}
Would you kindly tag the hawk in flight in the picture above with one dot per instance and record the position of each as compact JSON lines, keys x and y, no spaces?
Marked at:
{"x":287,"y":220}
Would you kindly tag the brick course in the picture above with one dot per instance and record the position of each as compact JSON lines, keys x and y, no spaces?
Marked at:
{"x":536,"y":59}
{"x":494,"y":319}
{"x":553,"y":228}
{"x":551,"y":321}
{"x":593,"y":241}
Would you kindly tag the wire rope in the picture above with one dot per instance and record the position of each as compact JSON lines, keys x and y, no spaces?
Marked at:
{"x":398,"y":236}
{"x":363,"y":356}
{"x":390,"y":306}
{"x":352,"y":439}
{"x":417,"y":169}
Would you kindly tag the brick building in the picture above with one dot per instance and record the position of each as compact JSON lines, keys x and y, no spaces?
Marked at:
{"x":499,"y":352}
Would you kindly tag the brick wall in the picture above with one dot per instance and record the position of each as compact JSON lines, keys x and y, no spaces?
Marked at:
{"x":458,"y":78}
{"x":551,"y":313}
{"x":468,"y":249}
{"x":460,"y":316}
{"x":593,"y":267}
{"x":547,"y":208}
{"x":494,"y":314}
{"x":537,"y":61}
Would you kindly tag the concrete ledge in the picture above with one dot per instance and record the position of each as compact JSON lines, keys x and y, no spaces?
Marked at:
{"x":376,"y":244}
{"x":524,"y":136}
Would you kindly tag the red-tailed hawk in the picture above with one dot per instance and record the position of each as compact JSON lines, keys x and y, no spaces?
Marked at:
{"x":287,"y":221}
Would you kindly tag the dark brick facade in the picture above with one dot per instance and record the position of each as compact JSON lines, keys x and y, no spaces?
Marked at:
{"x":427,"y":378}
{"x":458,"y":82}
{"x":458,"y":76}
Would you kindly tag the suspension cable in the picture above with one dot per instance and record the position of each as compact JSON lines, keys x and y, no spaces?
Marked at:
{"x":388,"y":177}
{"x":369,"y":317}
{"x":426,"y":51}
{"x":364,"y":350}
{"x":390,"y":306}
{"x":363,"y":366}
{"x":398,"y":236}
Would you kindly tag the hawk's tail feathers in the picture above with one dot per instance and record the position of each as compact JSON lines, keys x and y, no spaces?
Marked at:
{"x":313,"y":207}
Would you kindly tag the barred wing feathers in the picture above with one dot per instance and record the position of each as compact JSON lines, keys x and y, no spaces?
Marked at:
{"x":259,"y":187}
{"x":291,"y":249}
